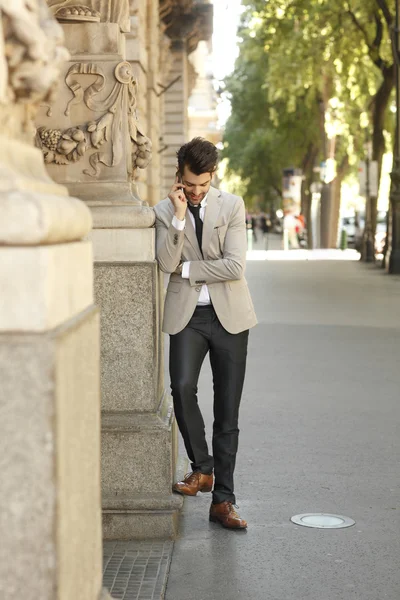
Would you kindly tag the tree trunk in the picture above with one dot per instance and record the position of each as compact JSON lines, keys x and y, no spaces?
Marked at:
{"x":336,"y":201}
{"x":378,"y":112}
{"x":335,"y":211}
{"x":326,"y":207}
{"x":308,"y":164}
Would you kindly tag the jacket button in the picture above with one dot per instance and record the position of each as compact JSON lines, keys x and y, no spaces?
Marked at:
{"x":198,"y":289}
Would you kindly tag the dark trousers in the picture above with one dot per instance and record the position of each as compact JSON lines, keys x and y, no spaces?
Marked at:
{"x":188,"y":348}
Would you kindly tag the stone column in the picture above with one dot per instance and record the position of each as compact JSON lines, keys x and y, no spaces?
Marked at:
{"x":203,"y":117}
{"x":143,"y":52}
{"x":148,"y":50}
{"x":175,"y":113}
{"x":93,"y":143}
{"x":186,"y":23}
{"x":138,"y":55}
{"x":50,"y":517}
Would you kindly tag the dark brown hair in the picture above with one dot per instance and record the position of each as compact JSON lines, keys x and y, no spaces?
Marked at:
{"x":199,"y":155}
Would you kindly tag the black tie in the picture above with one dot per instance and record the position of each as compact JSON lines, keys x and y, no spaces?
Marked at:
{"x":195,"y":210}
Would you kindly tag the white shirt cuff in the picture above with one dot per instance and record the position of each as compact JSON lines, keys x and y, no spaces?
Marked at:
{"x":185,"y":269}
{"x":178,"y":224}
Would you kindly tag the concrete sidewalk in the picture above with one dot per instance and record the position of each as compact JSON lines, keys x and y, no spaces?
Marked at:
{"x":319,"y":422}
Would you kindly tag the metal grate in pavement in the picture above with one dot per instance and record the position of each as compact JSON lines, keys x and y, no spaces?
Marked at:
{"x":136,"y":570}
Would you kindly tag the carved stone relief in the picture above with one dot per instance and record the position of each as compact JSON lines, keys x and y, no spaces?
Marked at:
{"x":31,"y":58}
{"x":104,"y":134}
{"x":188,"y":20}
{"x":106,"y":11}
{"x":33,"y":51}
{"x":167,"y":7}
{"x":76,"y":12}
{"x":166,"y":58}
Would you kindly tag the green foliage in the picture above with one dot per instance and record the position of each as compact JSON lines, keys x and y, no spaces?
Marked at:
{"x":262,"y":136}
{"x":308,"y":75}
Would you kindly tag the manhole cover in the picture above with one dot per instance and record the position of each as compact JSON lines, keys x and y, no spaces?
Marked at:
{"x":322,"y":520}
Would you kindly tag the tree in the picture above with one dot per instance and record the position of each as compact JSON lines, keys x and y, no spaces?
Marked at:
{"x":341,"y":50}
{"x":262,"y":137}
{"x":331,"y":60}
{"x":375,"y":29}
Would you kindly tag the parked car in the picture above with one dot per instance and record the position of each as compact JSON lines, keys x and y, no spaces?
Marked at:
{"x":349,"y":226}
{"x":380,"y":235}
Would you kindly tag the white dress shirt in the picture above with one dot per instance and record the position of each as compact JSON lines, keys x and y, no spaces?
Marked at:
{"x":204,"y":297}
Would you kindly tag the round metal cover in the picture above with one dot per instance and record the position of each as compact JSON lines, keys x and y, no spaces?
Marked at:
{"x":322,"y":520}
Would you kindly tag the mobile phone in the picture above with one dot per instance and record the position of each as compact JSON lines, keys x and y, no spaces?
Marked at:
{"x":179,"y":177}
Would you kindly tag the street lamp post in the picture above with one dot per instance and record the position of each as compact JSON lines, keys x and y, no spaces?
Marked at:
{"x":394,"y":243}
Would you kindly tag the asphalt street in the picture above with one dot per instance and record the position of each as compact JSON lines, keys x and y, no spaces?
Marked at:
{"x":319,"y":423}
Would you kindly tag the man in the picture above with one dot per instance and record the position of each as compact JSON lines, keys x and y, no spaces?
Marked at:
{"x":201,"y":241}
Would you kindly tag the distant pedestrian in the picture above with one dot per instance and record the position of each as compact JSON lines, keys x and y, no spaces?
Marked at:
{"x":254,"y":227}
{"x":289,"y":228}
{"x":264,"y":223}
{"x":265,"y":226}
{"x":301,"y":231}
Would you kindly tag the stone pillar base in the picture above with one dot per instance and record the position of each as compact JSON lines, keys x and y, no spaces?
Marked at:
{"x":139,"y":446}
{"x":138,"y":458}
{"x":50,"y":474}
{"x":150,"y":517}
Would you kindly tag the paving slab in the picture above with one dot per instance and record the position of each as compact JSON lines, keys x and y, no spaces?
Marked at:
{"x":320,"y":422}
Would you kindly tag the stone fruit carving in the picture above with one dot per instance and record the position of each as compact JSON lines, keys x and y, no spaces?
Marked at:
{"x":62,"y":147}
{"x":77,"y":12}
{"x":106,"y":11}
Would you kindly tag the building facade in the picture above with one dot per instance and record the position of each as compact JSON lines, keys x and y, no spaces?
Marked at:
{"x":202,"y":109}
{"x":110,"y":136}
{"x":93,"y":106}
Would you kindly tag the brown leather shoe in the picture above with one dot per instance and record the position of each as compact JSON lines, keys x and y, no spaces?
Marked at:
{"x":195,"y":482}
{"x":224,"y":513}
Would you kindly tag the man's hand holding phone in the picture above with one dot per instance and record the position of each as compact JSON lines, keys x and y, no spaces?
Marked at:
{"x":178,"y":198}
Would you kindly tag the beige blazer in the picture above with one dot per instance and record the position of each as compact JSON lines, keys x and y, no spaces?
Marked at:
{"x":224,"y":247}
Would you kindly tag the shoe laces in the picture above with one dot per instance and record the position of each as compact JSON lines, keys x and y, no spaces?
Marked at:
{"x":232,"y":509}
{"x":191,"y":476}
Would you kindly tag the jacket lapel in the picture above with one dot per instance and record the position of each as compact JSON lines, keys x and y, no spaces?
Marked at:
{"x":214,"y":202}
{"x":189,"y":232}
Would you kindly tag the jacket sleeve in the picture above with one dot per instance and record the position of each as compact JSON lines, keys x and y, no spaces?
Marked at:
{"x":169,"y":245}
{"x":232,"y":265}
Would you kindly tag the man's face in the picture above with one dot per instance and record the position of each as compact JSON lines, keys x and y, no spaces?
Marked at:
{"x":196,"y":186}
